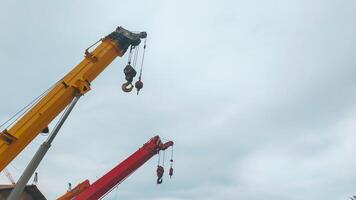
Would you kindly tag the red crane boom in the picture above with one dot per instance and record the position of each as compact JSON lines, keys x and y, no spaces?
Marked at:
{"x":114,"y":177}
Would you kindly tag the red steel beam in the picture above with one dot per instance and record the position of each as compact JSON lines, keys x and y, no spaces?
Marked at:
{"x":114,"y":177}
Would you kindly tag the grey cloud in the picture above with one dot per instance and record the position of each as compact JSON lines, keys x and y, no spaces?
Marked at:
{"x":258,"y":96}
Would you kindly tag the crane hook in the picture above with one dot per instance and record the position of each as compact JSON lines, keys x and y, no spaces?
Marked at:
{"x":159,"y":180}
{"x":130,"y":73}
{"x":127,"y":87}
{"x":160,"y":171}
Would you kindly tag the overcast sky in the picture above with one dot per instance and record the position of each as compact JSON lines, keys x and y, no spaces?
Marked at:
{"x":259,"y":96}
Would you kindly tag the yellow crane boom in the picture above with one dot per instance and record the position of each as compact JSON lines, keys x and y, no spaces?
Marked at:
{"x":21,"y":133}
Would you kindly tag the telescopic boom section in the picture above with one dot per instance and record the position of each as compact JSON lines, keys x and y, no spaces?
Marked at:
{"x":114,"y":177}
{"x":18,"y":136}
{"x":75,"y":191}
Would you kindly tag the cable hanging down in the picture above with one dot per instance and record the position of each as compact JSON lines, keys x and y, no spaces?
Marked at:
{"x":130,"y":69}
{"x":161,"y":162}
{"x":171,"y":162}
{"x":139,"y":83}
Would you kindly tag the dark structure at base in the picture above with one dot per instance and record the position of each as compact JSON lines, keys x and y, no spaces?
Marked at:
{"x":31,"y":192}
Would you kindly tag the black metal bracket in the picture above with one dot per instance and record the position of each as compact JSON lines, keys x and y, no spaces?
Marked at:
{"x":125,"y":38}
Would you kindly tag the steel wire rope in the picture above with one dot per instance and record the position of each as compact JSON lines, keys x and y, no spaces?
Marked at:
{"x":22,"y":111}
{"x":143,"y":58}
{"x":137,"y":49}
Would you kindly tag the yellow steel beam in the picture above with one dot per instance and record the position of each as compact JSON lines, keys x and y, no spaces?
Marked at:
{"x":17,"y":137}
